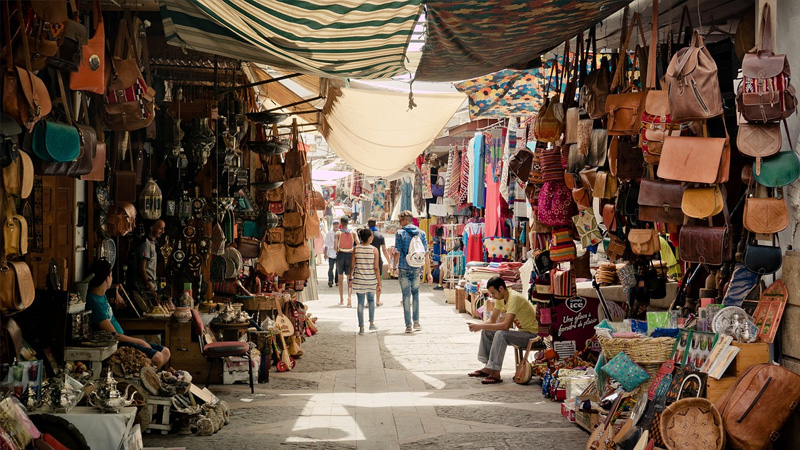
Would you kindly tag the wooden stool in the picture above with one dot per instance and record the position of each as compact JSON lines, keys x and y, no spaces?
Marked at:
{"x":160,"y":409}
{"x":93,"y":355}
{"x":519,"y":352}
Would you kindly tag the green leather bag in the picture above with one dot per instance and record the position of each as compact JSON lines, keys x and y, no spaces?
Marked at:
{"x":56,"y":142}
{"x":778,"y":170}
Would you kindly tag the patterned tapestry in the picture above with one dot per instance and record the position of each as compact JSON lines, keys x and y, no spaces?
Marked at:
{"x":470,"y":38}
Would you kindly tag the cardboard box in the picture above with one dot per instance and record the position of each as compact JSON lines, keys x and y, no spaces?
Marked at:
{"x":715,"y":388}
{"x":450,"y":296}
{"x":587,"y":420}
{"x":568,"y":412}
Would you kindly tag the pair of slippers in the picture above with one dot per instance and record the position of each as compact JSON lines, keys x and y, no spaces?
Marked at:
{"x":487,"y":379}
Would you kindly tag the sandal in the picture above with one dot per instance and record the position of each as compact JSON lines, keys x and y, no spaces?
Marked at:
{"x":491,"y":380}
{"x":477,"y":373}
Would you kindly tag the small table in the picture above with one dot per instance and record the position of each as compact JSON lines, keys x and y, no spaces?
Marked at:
{"x":101,"y":430}
{"x":230,"y":331}
{"x":94,"y":355}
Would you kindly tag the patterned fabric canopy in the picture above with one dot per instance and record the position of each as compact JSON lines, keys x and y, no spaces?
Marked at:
{"x":330,"y":38}
{"x":507,"y":93}
{"x":470,"y":38}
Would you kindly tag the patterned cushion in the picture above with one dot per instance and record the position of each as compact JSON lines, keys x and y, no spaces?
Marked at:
{"x":498,"y":247}
{"x":629,"y":374}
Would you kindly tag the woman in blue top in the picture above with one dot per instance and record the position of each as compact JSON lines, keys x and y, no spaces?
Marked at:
{"x":103,"y":317}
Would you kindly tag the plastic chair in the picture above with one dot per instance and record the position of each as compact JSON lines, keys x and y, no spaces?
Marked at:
{"x":211,"y":349}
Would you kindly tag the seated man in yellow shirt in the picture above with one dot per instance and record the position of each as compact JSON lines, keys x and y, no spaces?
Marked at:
{"x":496,"y":337}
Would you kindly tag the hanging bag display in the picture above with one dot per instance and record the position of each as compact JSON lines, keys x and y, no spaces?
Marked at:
{"x":710,"y":245}
{"x":765,"y":94}
{"x":546,"y":126}
{"x":272,"y":258}
{"x":597,"y":85}
{"x":17,"y":290}
{"x":562,"y":247}
{"x":765,"y":215}
{"x":644,"y":242}
{"x":778,"y":170}
{"x":763,"y":259}
{"x":15,"y":232}
{"x":91,"y":71}
{"x":625,"y":108}
{"x":129,"y":102}
{"x":660,"y":201}
{"x":692,"y":83}
{"x":696,"y":159}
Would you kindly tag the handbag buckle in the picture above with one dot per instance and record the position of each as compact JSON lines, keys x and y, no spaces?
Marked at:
{"x":666,"y":208}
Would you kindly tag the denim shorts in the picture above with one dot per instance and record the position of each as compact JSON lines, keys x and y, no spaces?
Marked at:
{"x":150,"y":352}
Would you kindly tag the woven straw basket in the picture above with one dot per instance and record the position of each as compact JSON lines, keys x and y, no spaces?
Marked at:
{"x":692,"y":424}
{"x":650,"y":353}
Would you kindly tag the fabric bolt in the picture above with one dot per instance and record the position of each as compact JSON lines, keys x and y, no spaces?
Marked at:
{"x":479,"y":170}
{"x":409,"y":286}
{"x":463,"y":189}
{"x":364,"y":279}
{"x":369,"y":298}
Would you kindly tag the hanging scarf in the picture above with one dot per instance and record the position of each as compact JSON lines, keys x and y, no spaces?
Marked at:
{"x":426,"y":181}
{"x":463,"y":188}
{"x":454,"y":176}
{"x":450,"y":160}
{"x":511,"y":143}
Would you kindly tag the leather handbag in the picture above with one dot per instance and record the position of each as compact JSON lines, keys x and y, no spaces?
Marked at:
{"x":625,"y":109}
{"x":275,"y":235}
{"x":92,"y":68}
{"x":129,"y":102}
{"x":616,"y":247}
{"x":9,"y":140}
{"x":272,"y":258}
{"x":121,"y":219}
{"x":87,"y":141}
{"x":763,"y":259}
{"x":46,"y":24}
{"x":765,"y":215}
{"x":605,"y":185}
{"x":311,"y":226}
{"x":625,"y":159}
{"x":778,"y":170}
{"x":25,"y":96}
{"x":759,"y":140}
{"x":297,"y":272}
{"x":315,"y":200}
{"x":295,"y":191}
{"x":546,"y":126}
{"x":644,"y":241}
{"x":98,"y":172}
{"x":597,"y":84}
{"x":520,"y":164}
{"x":765,"y":94}
{"x":571,"y":125}
{"x":294,"y":236}
{"x":692,"y":83}
{"x":56,"y":142}
{"x":707,"y":245}
{"x":576,"y":160}
{"x":656,"y":120}
{"x":292,"y":219}
{"x":702,"y":202}
{"x":756,"y":407}
{"x":660,"y":201}
{"x":695,"y":159}
{"x":610,"y":216}
{"x":582,"y":198}
{"x":297,"y":253}
{"x":588,"y":178}
{"x":598,"y":148}
{"x":15,"y":232}
{"x":17,"y":290}
{"x":18,"y":176}
{"x":276,"y":195}
{"x":249,"y":247}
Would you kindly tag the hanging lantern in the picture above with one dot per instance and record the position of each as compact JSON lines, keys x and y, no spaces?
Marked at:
{"x":150,"y":200}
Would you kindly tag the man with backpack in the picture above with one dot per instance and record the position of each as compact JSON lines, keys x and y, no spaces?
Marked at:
{"x":344,"y":243}
{"x":412,"y":247}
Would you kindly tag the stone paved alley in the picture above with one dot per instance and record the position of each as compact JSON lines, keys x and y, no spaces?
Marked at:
{"x":387,"y":390}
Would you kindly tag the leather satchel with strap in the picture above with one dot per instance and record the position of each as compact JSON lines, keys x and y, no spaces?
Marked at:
{"x":759,"y":141}
{"x":712,"y":245}
{"x":90,"y":76}
{"x":702,"y":202}
{"x":765,"y":215}
{"x":547,"y":127}
{"x":766,"y":94}
{"x":625,"y":109}
{"x":696,"y":159}
{"x":17,"y":291}
{"x":129,"y":102}
{"x":660,"y":201}
{"x":87,"y":143}
{"x":25,"y":96}
{"x":15,"y":231}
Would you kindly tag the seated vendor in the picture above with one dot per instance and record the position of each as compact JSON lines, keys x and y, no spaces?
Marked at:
{"x":496,"y":337}
{"x":103,"y":317}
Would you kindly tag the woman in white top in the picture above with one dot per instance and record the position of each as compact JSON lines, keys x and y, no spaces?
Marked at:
{"x":365,"y":277}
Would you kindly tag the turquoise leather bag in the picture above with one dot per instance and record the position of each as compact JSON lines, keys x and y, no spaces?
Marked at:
{"x":56,"y":142}
{"x":778,"y":170}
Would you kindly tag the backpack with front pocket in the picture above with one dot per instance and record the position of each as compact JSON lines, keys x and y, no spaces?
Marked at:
{"x":416,"y":252}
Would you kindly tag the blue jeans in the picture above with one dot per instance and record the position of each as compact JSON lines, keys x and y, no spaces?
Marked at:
{"x":409,"y":285}
{"x":369,"y":297}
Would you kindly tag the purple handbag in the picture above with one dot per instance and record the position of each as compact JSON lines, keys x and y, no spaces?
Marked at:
{"x":556,"y":206}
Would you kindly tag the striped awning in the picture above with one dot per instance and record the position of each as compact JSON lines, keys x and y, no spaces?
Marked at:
{"x":328,"y":38}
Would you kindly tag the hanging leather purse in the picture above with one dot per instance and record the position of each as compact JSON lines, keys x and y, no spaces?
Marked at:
{"x":616,"y":247}
{"x":17,"y":290}
{"x":18,"y":176}
{"x":778,"y":170}
{"x":277,"y":207}
{"x":644,"y":241}
{"x":628,"y":202}
{"x":765,"y":94}
{"x":692,"y":83}
{"x":598,"y":148}
{"x":763,"y":259}
{"x":695,"y":159}
{"x":576,"y":161}
{"x":121,"y":219}
{"x":294,"y":236}
{"x":272,"y":258}
{"x":275,"y":235}
{"x":759,"y":141}
{"x":276,"y":195}
{"x":656,"y":120}
{"x":625,"y":109}
{"x":571,"y":126}
{"x":597,"y":85}
{"x":292,"y":220}
{"x":582,"y":198}
{"x":311,"y":226}
{"x":249,"y":247}
{"x":129,"y":102}
{"x":297,"y":254}
{"x":9,"y":140}
{"x":91,"y":70}
{"x":625,"y":159}
{"x":610,"y":217}
{"x":660,"y":201}
{"x":588,"y":178}
{"x":297,"y":272}
{"x":87,"y":143}
{"x":45,"y":25}
{"x":605,"y":185}
{"x":25,"y":97}
{"x":702,"y":202}
{"x":315,"y":200}
{"x":707,"y":245}
{"x":547,"y":127}
{"x":520,"y":164}
{"x":15,"y":232}
{"x":765,"y":215}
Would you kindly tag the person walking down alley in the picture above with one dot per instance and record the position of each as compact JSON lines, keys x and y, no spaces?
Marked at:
{"x":365,"y":277}
{"x":411,"y":256}
{"x":330,"y":252}
{"x":496,"y":337}
{"x":379,"y":242}
{"x":345,"y":241}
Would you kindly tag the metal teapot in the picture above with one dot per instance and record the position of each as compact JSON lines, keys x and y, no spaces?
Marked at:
{"x":228,"y":314}
{"x":107,"y":398}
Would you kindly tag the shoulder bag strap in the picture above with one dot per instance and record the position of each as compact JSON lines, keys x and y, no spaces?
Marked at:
{"x":651,"y":56}
{"x":564,"y":73}
{"x":766,"y":30}
{"x":64,"y":98}
{"x":619,"y":75}
{"x":682,"y":33}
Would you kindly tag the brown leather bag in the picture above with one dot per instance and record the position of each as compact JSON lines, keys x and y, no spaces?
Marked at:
{"x":315,"y":201}
{"x":121,"y":218}
{"x":695,"y":159}
{"x":25,"y":97}
{"x":660,"y":201}
{"x":298,"y":253}
{"x":272,"y":258}
{"x":625,"y":159}
{"x":295,"y":191}
{"x":702,"y":202}
{"x":18,"y":176}
{"x":707,"y":245}
{"x":311,"y":225}
{"x":276,"y":195}
{"x":275,"y":235}
{"x":755,"y":408}
{"x":292,"y":219}
{"x":625,"y":108}
{"x":605,"y":185}
{"x":759,"y":140}
{"x":249,"y":247}
{"x":294,"y":236}
{"x":610,"y":216}
{"x":597,"y":85}
{"x":297,"y":272}
{"x":91,"y":71}
{"x":546,"y":126}
{"x":15,"y":232}
{"x":582,"y":198}
{"x":17,"y":291}
{"x":765,"y":215}
{"x":692,"y":84}
{"x":125,"y":83}
{"x":655,"y":122}
{"x":98,"y":172}
{"x":644,"y":241}
{"x":520,"y":164}
{"x":765,"y":94}
{"x":616,"y":248}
